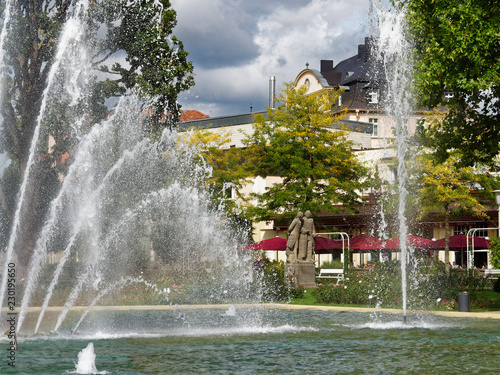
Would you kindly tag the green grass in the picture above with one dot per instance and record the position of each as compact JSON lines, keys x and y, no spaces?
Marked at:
{"x":488,"y":294}
{"x":485,"y":300}
{"x":307,"y":299}
{"x":481,"y":301}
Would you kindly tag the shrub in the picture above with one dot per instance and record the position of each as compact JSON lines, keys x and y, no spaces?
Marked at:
{"x":329,"y":293}
{"x":351,"y":291}
{"x":336,"y":263}
{"x":275,"y":286}
{"x":495,"y":252}
{"x":427,"y":285}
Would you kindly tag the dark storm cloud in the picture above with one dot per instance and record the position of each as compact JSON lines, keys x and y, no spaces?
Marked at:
{"x":235,"y":45}
{"x":216,"y":48}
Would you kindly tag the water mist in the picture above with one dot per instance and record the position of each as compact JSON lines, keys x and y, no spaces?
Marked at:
{"x":393,"y":56}
{"x":126,"y":202}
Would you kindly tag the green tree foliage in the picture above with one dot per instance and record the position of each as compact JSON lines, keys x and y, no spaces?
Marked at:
{"x":446,"y":189}
{"x":433,"y":286}
{"x":495,"y":252}
{"x":130,"y":47}
{"x":457,"y":50}
{"x":301,"y":143}
{"x":227,"y":174}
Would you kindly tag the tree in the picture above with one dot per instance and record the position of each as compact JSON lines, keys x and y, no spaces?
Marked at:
{"x":155,"y":65}
{"x":495,"y":252}
{"x":457,"y":50}
{"x":300,"y":142}
{"x":449,"y":189}
{"x":226,"y":171}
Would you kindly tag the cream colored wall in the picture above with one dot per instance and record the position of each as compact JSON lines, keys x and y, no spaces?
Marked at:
{"x":360,"y":140}
{"x":386,"y":133}
{"x":238,"y":133}
{"x":380,"y":158}
{"x":314,"y":83}
{"x":386,"y":127}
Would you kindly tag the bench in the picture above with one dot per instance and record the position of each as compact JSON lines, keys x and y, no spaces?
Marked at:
{"x":331,"y":273}
{"x":491,"y":272}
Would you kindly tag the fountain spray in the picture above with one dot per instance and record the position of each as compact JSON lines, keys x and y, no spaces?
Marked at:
{"x":393,"y":55}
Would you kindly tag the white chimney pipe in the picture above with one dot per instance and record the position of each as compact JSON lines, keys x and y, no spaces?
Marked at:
{"x":272,"y":92}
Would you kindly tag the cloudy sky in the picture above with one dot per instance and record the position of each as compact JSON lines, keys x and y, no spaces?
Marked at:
{"x":236,"y":45}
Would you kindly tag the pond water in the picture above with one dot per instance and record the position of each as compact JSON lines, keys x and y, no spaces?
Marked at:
{"x":262,"y":341}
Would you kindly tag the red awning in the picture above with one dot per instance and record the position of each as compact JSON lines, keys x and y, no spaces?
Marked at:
{"x":278,"y":243}
{"x":415,"y":242}
{"x":366,"y":242}
{"x":323,"y":243}
{"x":459,"y":241}
{"x":275,"y":243}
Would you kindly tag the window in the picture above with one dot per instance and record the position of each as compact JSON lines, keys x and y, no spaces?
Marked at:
{"x":463,"y":229}
{"x":373,"y":97}
{"x":480,"y":233}
{"x":460,"y":229}
{"x":374,"y":122}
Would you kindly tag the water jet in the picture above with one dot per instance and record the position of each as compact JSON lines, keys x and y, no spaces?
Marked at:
{"x":125,"y":197}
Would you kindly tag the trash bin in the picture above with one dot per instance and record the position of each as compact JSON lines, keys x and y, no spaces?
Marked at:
{"x":464,"y":302}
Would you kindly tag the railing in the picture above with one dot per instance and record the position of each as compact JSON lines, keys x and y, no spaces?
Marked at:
{"x":342,"y":235}
{"x":470,"y":256}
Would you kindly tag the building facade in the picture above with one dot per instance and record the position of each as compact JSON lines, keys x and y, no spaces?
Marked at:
{"x":373,"y":137}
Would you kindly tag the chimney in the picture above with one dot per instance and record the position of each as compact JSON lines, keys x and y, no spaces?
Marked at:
{"x":364,"y":49}
{"x":361,"y":51}
{"x":326,"y":65}
{"x":272,"y":92}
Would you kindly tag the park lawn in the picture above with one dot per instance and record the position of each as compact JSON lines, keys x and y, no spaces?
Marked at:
{"x":484,"y":300}
{"x":309,"y":300}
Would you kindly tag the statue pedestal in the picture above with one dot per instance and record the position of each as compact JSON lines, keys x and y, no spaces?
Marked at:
{"x":305,"y":271}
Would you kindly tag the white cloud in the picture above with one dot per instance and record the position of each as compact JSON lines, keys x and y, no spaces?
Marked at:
{"x":240,"y":47}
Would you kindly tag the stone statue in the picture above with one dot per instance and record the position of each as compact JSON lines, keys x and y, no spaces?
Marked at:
{"x":292,"y":245}
{"x":299,"y":267}
{"x":306,"y":239}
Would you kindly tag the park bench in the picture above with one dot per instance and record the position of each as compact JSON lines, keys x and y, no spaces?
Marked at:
{"x":491,"y":272}
{"x":331,"y":273}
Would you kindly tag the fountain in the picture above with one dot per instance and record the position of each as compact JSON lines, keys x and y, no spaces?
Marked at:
{"x":126,"y":199}
{"x":124,"y":202}
{"x":86,"y":361}
{"x":392,"y":55}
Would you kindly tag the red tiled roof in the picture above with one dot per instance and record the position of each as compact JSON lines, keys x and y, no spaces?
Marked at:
{"x":191,"y":114}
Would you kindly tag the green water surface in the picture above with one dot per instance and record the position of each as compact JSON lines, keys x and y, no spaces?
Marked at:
{"x":264,"y":341}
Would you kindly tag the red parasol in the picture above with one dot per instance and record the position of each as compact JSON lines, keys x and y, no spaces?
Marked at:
{"x":323,"y":243}
{"x":415,"y":242}
{"x":275,"y":243}
{"x":366,"y":242}
{"x":459,"y":241}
